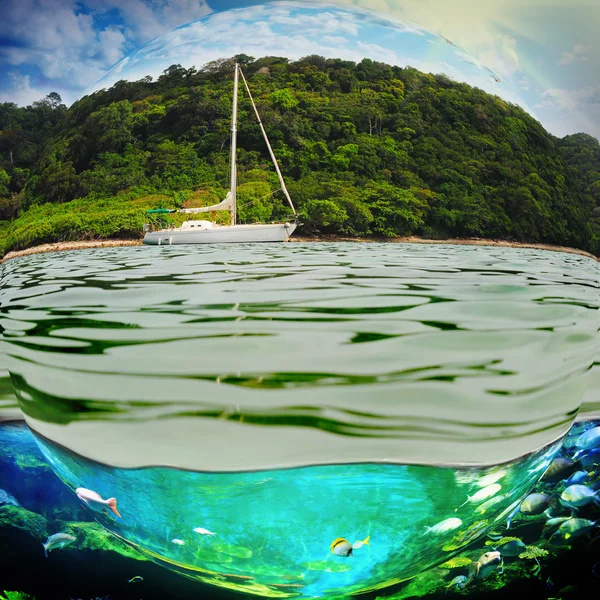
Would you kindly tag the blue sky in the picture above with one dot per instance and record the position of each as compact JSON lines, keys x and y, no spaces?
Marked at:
{"x":546,"y":53}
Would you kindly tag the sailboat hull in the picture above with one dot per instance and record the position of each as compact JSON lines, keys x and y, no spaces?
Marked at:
{"x":238,"y":234}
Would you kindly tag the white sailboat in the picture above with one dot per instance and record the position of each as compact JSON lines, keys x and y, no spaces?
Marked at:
{"x":209,"y":232}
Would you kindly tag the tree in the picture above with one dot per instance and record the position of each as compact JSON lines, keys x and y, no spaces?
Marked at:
{"x":54,"y":99}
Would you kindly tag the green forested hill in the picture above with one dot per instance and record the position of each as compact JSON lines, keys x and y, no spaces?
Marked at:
{"x":367,"y":150}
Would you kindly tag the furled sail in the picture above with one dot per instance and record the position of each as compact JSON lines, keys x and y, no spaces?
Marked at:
{"x":226,"y":204}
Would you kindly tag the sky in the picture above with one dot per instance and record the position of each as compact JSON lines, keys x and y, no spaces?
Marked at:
{"x":546,"y":53}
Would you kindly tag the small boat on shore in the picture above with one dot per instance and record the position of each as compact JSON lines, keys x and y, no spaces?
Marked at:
{"x":209,"y":232}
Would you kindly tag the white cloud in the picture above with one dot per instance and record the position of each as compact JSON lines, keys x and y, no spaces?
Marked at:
{"x":571,"y":99}
{"x":328,"y":23}
{"x":59,"y":40}
{"x":569,"y":111}
{"x":577,"y":54}
{"x":502,"y":57}
{"x":21,"y":91}
{"x":147,"y":19}
{"x":68,"y":48}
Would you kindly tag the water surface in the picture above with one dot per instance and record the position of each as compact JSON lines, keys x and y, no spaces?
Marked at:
{"x":328,"y":353}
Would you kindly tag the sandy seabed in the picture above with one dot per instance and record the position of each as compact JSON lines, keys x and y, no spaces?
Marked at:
{"x":62,"y":246}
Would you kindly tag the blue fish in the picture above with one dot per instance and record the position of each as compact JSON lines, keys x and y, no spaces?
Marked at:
{"x":578,"y":477}
{"x":590,"y":459}
{"x":588,"y":440}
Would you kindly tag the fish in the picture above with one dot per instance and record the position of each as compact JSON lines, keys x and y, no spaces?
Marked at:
{"x":588,"y":440}
{"x":6,"y":498}
{"x":58,"y":540}
{"x":460,"y":581}
{"x":535,"y":504}
{"x":444,"y":526}
{"x":559,"y":469}
{"x":342,"y":547}
{"x":575,"y":527}
{"x":491,"y":478}
{"x":486,"y":564}
{"x":579,"y":495}
{"x":360,"y":543}
{"x":136,"y":579}
{"x":177,"y":542}
{"x":512,"y":548}
{"x":591,"y":459}
{"x":203,"y":531}
{"x":483,"y":508}
{"x":473,"y":532}
{"x":495,"y":536}
{"x":577,"y":477}
{"x":96,"y":503}
{"x":483,"y":494}
{"x":554,"y":522}
{"x":512,"y":511}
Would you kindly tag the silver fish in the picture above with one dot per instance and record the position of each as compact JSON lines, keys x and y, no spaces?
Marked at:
{"x":203,"y":531}
{"x":58,"y":540}
{"x":444,"y":526}
{"x":483,"y":494}
{"x":579,"y":495}
{"x":483,"y":508}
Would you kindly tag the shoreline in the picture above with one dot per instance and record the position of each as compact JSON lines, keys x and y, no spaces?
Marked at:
{"x":83,"y":245}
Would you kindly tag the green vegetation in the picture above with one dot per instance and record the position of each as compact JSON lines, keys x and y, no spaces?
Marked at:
{"x":91,"y":537}
{"x":533,"y":553}
{"x":367,"y":149}
{"x":15,"y":596}
{"x":457,"y":563}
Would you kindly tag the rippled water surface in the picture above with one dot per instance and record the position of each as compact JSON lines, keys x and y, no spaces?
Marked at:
{"x":328,"y":352}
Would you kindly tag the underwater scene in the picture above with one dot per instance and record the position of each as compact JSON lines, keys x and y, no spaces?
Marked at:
{"x":313,"y":421}
{"x":532,"y":526}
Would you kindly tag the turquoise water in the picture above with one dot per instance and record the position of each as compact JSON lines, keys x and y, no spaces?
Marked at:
{"x":273,"y":529}
{"x":281,"y":397}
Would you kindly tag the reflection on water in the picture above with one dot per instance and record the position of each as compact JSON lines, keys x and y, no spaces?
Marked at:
{"x":328,"y":353}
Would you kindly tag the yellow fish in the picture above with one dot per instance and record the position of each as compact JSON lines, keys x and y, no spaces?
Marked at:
{"x":342,"y":547}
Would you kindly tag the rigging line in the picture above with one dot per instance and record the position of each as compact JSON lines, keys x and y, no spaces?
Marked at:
{"x":275,"y":164}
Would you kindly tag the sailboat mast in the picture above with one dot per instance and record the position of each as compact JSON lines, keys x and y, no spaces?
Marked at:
{"x":281,"y":181}
{"x":234,"y":145}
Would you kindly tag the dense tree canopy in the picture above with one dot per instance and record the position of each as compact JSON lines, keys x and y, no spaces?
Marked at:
{"x":367,"y":150}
